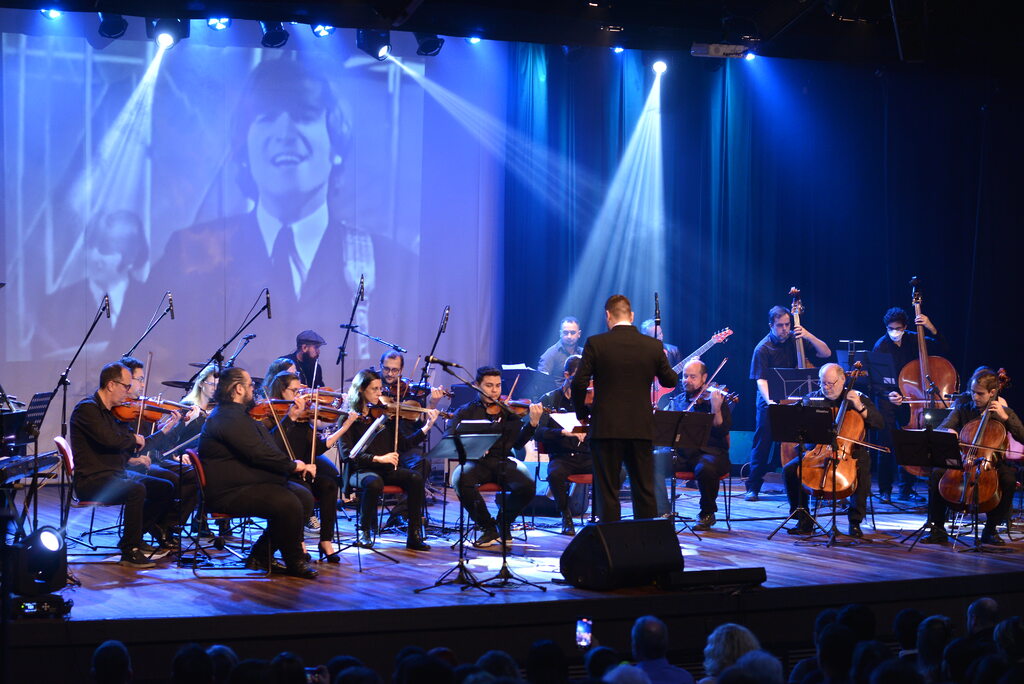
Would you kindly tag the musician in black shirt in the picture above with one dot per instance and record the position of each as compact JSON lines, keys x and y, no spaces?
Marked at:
{"x":377,"y":464}
{"x":568,"y":452}
{"x":247,"y":474}
{"x":102,"y":445}
{"x":306,"y":358}
{"x":498,"y":464}
{"x":776,"y":350}
{"x":984,"y":397}
{"x":833,"y":382}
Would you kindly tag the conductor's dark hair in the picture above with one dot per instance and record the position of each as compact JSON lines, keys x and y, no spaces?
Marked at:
{"x":618,"y":306}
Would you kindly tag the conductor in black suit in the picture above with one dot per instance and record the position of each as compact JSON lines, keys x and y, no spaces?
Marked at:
{"x":622,"y":363}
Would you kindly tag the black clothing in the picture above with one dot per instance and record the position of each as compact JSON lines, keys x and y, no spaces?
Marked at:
{"x":496,"y":465}
{"x":566,"y":455}
{"x":623,"y":363}
{"x":325,"y":485}
{"x":964,"y":412}
{"x":795,"y":491}
{"x":769,"y":353}
{"x":370,"y":477}
{"x":310,"y":371}
{"x":552,"y":361}
{"x":906,"y":350}
{"x":246,"y":474}
{"x":147,"y":501}
{"x":711,"y":462}
{"x":100,"y":442}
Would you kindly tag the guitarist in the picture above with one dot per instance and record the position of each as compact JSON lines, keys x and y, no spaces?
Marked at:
{"x":778,"y":349}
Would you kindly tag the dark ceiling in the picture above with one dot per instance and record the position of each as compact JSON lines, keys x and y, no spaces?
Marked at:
{"x":974,"y":34}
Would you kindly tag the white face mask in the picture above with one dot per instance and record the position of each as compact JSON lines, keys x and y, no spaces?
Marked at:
{"x":896,"y":335}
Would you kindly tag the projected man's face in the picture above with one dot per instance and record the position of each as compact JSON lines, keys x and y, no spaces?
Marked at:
{"x":110,"y":256}
{"x":289,"y":151}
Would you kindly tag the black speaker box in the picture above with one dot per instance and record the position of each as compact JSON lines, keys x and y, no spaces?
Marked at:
{"x":627,"y":553}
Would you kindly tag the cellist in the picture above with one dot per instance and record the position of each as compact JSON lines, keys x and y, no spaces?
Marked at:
{"x":983,"y":397}
{"x":833,"y":381}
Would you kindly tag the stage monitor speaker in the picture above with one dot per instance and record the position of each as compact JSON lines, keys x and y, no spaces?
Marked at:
{"x":627,"y":553}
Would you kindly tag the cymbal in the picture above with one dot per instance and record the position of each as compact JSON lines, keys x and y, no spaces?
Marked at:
{"x":177,"y":384}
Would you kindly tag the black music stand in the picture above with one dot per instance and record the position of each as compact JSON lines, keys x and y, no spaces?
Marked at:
{"x":681,"y":430}
{"x":791,"y":383}
{"x":28,"y":433}
{"x":926,"y":448}
{"x":463,"y":448}
{"x":803,"y":425}
{"x":531,"y":383}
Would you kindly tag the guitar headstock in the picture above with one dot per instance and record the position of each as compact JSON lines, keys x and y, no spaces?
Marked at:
{"x":797,"y":308}
{"x":721,"y":336}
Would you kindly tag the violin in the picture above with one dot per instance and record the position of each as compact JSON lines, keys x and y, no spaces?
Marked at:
{"x":409,"y":411}
{"x":981,"y":441}
{"x":518,"y":407}
{"x":148,"y":408}
{"x":713,"y":388}
{"x":268,"y":408}
{"x":412,"y":390}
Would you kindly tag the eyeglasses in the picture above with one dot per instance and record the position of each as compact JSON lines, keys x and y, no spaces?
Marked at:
{"x":829,"y":385}
{"x":126,"y":385}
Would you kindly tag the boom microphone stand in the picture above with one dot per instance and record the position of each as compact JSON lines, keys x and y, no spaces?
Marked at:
{"x":169,"y":309}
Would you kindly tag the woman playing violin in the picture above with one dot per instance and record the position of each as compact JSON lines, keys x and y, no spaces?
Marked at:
{"x":983,"y":398}
{"x":296,"y":427}
{"x":378,"y":464}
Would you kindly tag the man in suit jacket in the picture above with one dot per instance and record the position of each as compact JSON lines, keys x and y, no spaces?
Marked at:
{"x":622,"y":363}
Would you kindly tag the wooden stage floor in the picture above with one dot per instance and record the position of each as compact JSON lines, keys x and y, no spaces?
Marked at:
{"x":375,"y":612}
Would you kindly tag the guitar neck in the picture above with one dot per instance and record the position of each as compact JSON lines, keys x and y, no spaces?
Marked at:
{"x":696,"y":352}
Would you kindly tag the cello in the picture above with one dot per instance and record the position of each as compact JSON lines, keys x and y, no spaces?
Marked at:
{"x":927,"y":381}
{"x":975,"y":489}
{"x":831,"y":473}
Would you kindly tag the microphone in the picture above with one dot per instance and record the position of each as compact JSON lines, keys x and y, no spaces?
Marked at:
{"x":657,"y":313}
{"x":106,"y":304}
{"x":440,"y":362}
{"x":170,"y":303}
{"x":267,"y":291}
{"x":250,"y":336}
{"x":444,"y":321}
{"x":362,"y":289}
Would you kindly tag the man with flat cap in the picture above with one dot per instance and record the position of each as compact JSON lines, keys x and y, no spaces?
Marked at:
{"x":307,"y":358}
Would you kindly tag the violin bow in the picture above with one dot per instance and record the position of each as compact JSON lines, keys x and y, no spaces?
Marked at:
{"x":710,"y":380}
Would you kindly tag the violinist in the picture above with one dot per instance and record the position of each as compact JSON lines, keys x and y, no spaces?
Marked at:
{"x":498,"y":464}
{"x":247,"y":474}
{"x":568,"y":451}
{"x":712,"y":462}
{"x":901,"y":344}
{"x":102,"y":445}
{"x":833,"y":382}
{"x":278,"y":365}
{"x":776,"y":350}
{"x":296,"y":427}
{"x":983,"y":397}
{"x":150,"y":460}
{"x":378,"y":464}
{"x":306,"y":358}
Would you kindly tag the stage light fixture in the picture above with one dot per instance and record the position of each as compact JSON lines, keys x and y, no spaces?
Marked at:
{"x":274,"y":34}
{"x":428,"y":44}
{"x":321,"y":30}
{"x":112,"y":25}
{"x":219,"y":23}
{"x":618,"y":50}
{"x":51,"y":14}
{"x":473,"y":40}
{"x":750,"y":57}
{"x":167,"y":32}
{"x":659,"y":67}
{"x":375,"y":43}
{"x":40,"y":563}
{"x":719,"y":50}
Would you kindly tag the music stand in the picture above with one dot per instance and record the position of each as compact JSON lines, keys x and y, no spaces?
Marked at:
{"x":681,"y":430}
{"x":926,"y":448}
{"x":882,"y":374}
{"x":531,"y":383}
{"x":791,"y":383}
{"x":803,"y":425}
{"x":28,"y":433}
{"x":463,"y":448}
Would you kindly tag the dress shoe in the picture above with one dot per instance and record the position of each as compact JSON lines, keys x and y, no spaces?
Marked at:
{"x":751,"y":495}
{"x":991,"y":537}
{"x":327,"y":553}
{"x":911,"y":496}
{"x":414,"y":542}
{"x":937,"y":535}
{"x":135,"y":558}
{"x":804,"y":527}
{"x":301,"y":569}
{"x":855,"y":531}
{"x":705,"y":521}
{"x":568,"y":527}
{"x":365,"y":539}
{"x":489,"y":537}
{"x":259,"y":562}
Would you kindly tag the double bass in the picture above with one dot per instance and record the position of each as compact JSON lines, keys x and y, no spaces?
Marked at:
{"x":982,"y":441}
{"x":788,"y":450}
{"x":926,"y":381}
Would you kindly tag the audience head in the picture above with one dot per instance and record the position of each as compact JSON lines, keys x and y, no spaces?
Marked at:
{"x":867,"y":656}
{"x":251,"y":672}
{"x":340,"y":663}
{"x":223,"y":660}
{"x":932,"y":636}
{"x":288,"y":668}
{"x":356,"y":674}
{"x":858,"y":618}
{"x":545,"y":663}
{"x":626,"y":674}
{"x":896,"y":671}
{"x":725,"y":645}
{"x":957,"y":658}
{"x":1009,"y":638}
{"x":111,"y":663}
{"x":650,"y":638}
{"x":762,"y":666}
{"x":420,"y":668}
{"x":987,"y":670}
{"x":824,"y":619}
{"x":192,"y":665}
{"x":466,"y":673}
{"x":982,"y":614}
{"x":835,"y":651}
{"x":599,"y":660}
{"x":445,"y":654}
{"x":904,"y":627}
{"x":499,"y":664}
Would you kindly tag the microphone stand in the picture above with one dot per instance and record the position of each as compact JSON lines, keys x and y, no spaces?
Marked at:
{"x":437,"y":338}
{"x":218,"y":356}
{"x":167,"y":310}
{"x":349,"y":328}
{"x":241,"y":345}
{"x":62,"y":385}
{"x":342,"y":352}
